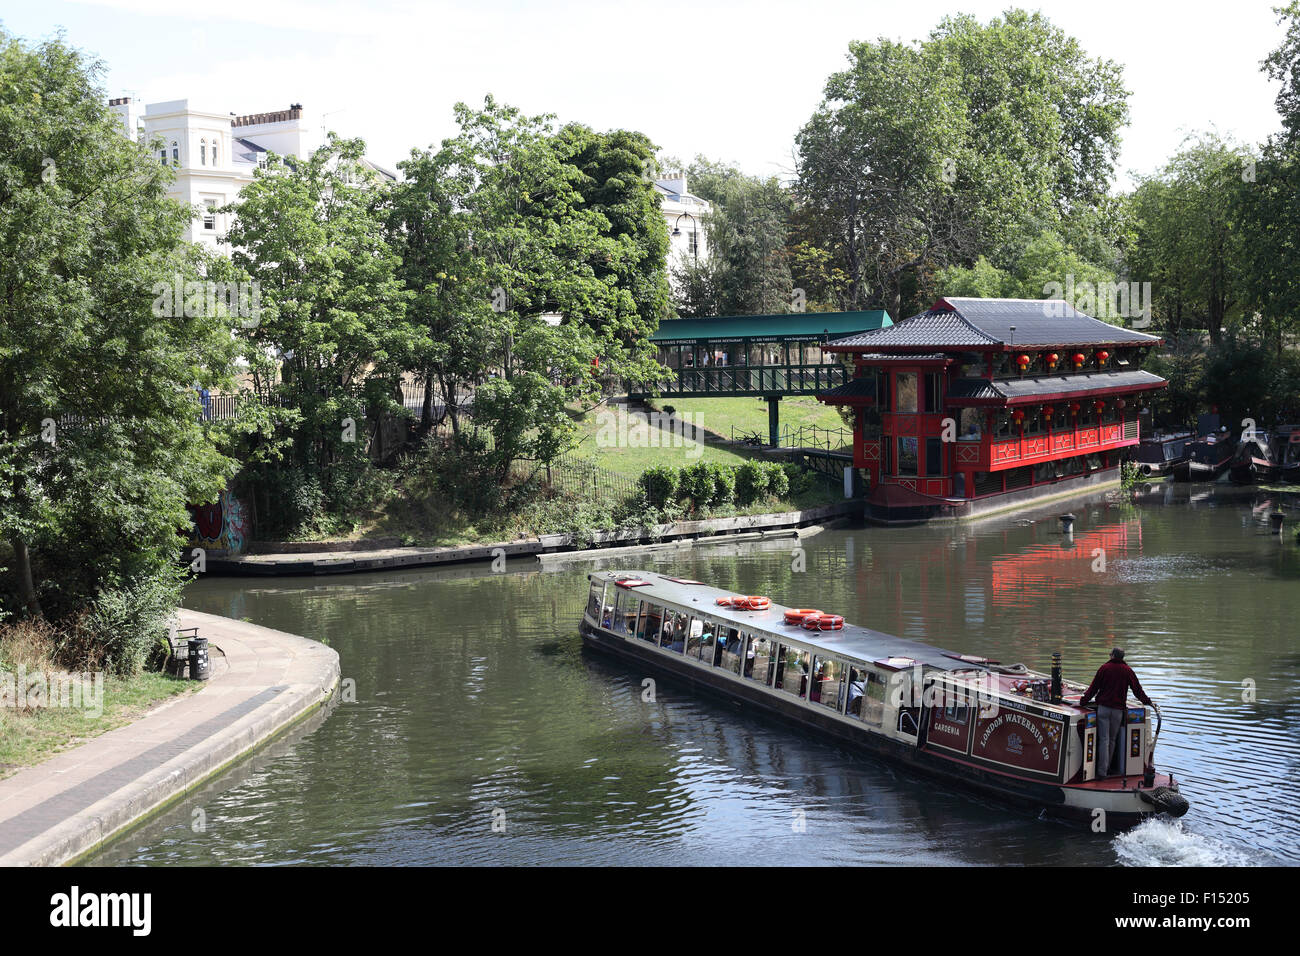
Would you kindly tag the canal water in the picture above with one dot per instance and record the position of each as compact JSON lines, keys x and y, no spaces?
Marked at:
{"x":482,"y":731}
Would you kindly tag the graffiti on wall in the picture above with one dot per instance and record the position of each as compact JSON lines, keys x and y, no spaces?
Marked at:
{"x":221,"y":525}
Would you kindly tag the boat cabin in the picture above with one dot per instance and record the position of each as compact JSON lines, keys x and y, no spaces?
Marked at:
{"x":855,"y":680}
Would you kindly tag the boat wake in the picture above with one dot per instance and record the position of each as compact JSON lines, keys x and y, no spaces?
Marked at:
{"x":1157,"y":842}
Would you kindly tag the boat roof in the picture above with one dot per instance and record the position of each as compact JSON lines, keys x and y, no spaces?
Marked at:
{"x":853,"y":641}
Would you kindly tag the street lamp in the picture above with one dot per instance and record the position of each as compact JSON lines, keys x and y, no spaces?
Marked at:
{"x":695,"y":243}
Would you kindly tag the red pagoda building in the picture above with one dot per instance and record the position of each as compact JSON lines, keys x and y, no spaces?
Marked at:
{"x":977,"y":404}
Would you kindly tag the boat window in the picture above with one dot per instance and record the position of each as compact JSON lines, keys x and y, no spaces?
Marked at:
{"x":792,"y":671}
{"x":625,"y":603}
{"x":674,"y":635}
{"x":595,"y":600}
{"x":711,"y":642}
{"x":694,"y":635}
{"x":873,"y":703}
{"x":732,"y":651}
{"x":758,"y":660}
{"x":647,"y":628}
{"x":828,"y":683}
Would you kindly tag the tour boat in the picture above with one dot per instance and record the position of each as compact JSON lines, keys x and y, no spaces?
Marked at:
{"x":1003,"y":730}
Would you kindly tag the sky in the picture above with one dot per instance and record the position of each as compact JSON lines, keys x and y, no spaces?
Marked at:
{"x":733,"y":80}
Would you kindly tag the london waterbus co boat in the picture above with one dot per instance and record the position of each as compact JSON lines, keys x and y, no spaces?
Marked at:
{"x":1003,"y":730}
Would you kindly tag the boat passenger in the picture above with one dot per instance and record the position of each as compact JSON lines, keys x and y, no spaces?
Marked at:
{"x":1110,"y":686}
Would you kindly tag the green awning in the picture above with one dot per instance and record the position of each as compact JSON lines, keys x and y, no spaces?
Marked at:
{"x":794,"y":325}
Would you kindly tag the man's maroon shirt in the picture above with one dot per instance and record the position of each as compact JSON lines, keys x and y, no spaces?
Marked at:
{"x":1112,"y":683}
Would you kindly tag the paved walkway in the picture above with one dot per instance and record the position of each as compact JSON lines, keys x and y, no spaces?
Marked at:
{"x":60,"y":809}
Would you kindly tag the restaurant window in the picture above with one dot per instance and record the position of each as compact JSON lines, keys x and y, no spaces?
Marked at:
{"x":758,"y":660}
{"x":883,"y":397}
{"x":987,"y":482}
{"x":1111,"y":414}
{"x":934,"y":463}
{"x":1033,"y":424}
{"x":886,"y":457}
{"x":907,"y":445}
{"x":595,"y":601}
{"x":933,"y":392}
{"x":1045,"y":472}
{"x":733,"y":650}
{"x":906,"y":389}
{"x":1003,"y":427}
{"x":1086,"y":417}
{"x":870,"y":424}
{"x":792,"y":671}
{"x":972,"y":424}
{"x":828,"y":680}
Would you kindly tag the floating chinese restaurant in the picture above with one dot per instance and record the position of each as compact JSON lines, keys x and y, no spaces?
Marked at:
{"x":977,"y":404}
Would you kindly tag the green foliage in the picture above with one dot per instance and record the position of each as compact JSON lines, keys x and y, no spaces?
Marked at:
{"x":101,"y":443}
{"x":724,"y":484}
{"x":747,"y":270}
{"x":929,"y":155}
{"x":697,"y":484}
{"x":797,"y":481}
{"x":126,"y":623}
{"x":660,"y":484}
{"x":1037,"y":270}
{"x":751,"y":482}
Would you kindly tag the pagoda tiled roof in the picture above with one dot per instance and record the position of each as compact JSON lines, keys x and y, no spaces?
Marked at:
{"x":955,"y":322}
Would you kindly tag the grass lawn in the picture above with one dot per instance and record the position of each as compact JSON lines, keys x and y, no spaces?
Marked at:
{"x":723,"y":415}
{"x":34,"y":734}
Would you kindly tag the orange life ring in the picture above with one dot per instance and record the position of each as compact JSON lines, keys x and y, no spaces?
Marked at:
{"x":724,"y":602}
{"x":797,"y":615}
{"x":756,"y":602}
{"x":831,"y":622}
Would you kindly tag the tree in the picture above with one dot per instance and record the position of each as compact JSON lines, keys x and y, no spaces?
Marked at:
{"x":101,"y":442}
{"x":1043,"y":262}
{"x":333,"y":336}
{"x":747,"y":271}
{"x":930,"y":155}
{"x":1185,"y":237}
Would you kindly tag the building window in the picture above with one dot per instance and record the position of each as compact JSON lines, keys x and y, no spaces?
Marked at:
{"x":214,"y":152}
{"x":906,"y":385}
{"x":882,"y":390}
{"x":203,"y":152}
{"x":176,"y":153}
{"x":972,"y":424}
{"x":210,"y":214}
{"x":162,"y":156}
{"x":934,"y":457}
{"x":693,"y":243}
{"x":907,"y":445}
{"x":933,"y":392}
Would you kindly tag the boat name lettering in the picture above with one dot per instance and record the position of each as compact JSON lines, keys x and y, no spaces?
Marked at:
{"x":1014,"y":718}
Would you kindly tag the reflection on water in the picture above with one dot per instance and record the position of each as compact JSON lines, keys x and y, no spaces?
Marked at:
{"x":484,"y":733}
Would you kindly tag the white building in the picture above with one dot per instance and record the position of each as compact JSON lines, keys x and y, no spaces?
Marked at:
{"x":215,"y":153}
{"x":685,"y":214}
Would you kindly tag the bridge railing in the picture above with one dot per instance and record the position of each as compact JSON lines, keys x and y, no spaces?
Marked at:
{"x":755,"y":380}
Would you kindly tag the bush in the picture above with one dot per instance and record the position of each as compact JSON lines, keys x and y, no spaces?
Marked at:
{"x":795,"y":480}
{"x":126,"y":623}
{"x":724,"y":484}
{"x":752,"y":481}
{"x":660,"y":484}
{"x":697,"y":484}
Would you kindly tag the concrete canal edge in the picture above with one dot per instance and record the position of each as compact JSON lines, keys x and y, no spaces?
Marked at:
{"x":263,"y":682}
{"x":330,"y":560}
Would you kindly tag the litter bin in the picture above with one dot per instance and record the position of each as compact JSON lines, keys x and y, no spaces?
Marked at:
{"x":198,"y":648}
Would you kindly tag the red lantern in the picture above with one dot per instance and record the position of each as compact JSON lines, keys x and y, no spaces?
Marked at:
{"x":1047,"y":412}
{"x":1074,"y":408}
{"x":1079,"y":359}
{"x":1022,"y":361}
{"x":1019,"y":416}
{"x":1120,"y":404}
{"x":1101,"y":357}
{"x":1098,"y":405}
{"x":1053,"y":358}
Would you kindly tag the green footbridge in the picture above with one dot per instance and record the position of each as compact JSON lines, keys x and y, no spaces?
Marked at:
{"x":767,"y":356}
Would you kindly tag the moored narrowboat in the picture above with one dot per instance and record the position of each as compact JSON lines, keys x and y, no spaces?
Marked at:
{"x":1003,"y":730}
{"x":1160,"y":456}
{"x":1208,"y":458}
{"x":1254,"y":462}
